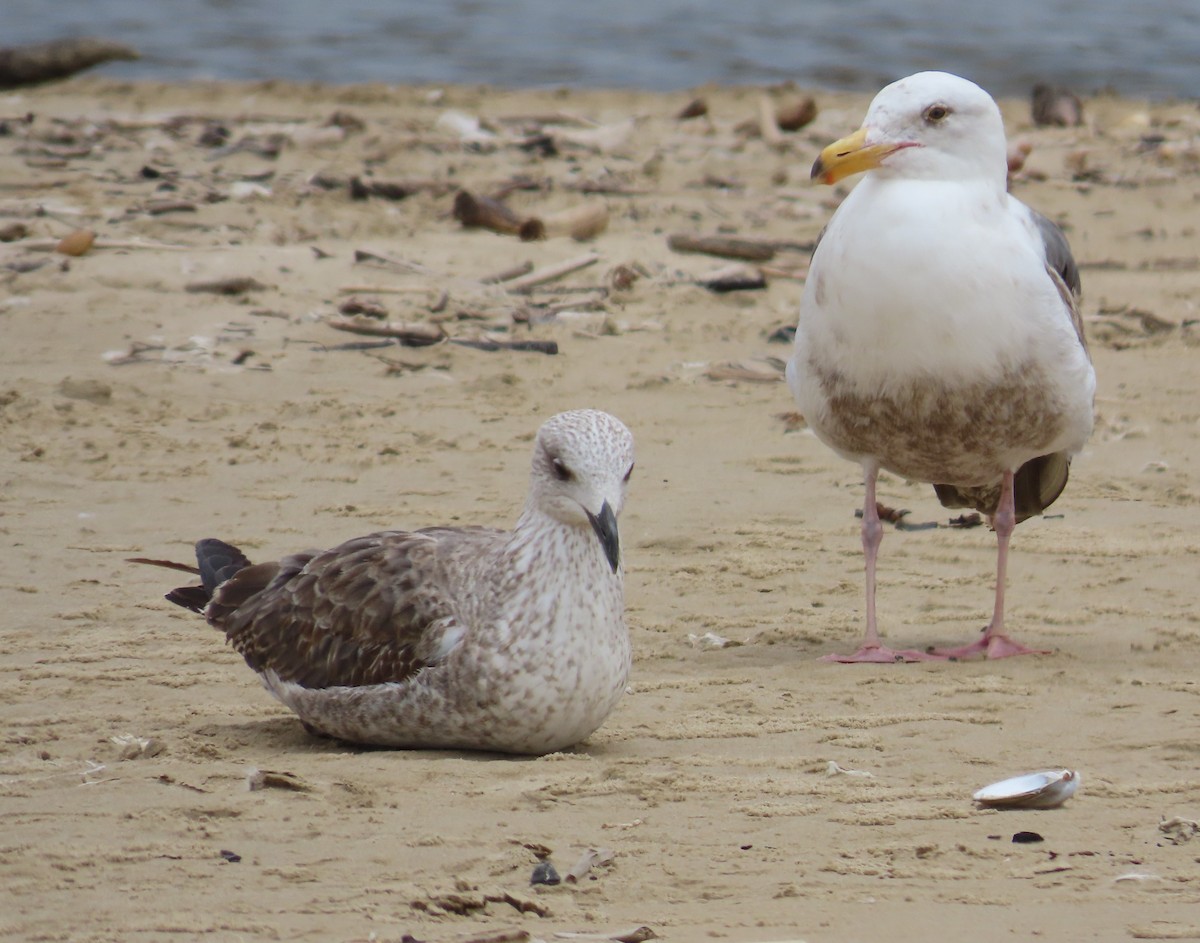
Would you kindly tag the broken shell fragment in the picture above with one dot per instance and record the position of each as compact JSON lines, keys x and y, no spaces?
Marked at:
{"x":1042,"y":790}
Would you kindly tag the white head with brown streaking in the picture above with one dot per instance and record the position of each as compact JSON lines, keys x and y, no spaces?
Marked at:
{"x":582,"y":464}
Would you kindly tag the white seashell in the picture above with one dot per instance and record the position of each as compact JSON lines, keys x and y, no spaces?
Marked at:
{"x":1042,"y":790}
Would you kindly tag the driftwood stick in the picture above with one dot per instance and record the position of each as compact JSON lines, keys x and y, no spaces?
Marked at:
{"x":366,"y":289}
{"x":551,"y":273}
{"x":768,"y":126}
{"x":385,"y":261}
{"x":508,"y":274}
{"x":581,"y":223}
{"x":50,"y":245}
{"x":539,"y":347}
{"x":45,"y":62}
{"x":729,"y":247}
{"x":411,"y":335}
{"x":482,"y":212}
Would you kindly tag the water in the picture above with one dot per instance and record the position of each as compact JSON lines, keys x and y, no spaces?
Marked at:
{"x":1149,"y":48}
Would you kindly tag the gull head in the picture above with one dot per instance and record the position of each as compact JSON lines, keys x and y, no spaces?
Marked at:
{"x":928,"y":126}
{"x":582,"y":463}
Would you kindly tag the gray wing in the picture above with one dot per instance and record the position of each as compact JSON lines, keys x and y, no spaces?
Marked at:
{"x":1061,"y":265}
{"x":373,"y":610}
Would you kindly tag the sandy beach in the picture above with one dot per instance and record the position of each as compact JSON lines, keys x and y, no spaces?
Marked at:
{"x":182,"y":379}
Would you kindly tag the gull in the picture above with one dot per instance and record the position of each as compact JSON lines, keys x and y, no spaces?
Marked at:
{"x":449,"y":637}
{"x":939,"y":335}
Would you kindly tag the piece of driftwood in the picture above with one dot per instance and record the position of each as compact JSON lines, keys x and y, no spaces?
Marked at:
{"x":696,"y":108}
{"x":581,"y":223}
{"x":367,"y":257}
{"x":736,"y":277}
{"x":410,"y":335}
{"x":363,"y":187}
{"x":1055,"y":107}
{"x":728,"y":247}
{"x":768,"y":125}
{"x":508,"y":274}
{"x":551,"y":273}
{"x":238,"y":285}
{"x":485,"y":343}
{"x":21,"y":66}
{"x":482,"y":212}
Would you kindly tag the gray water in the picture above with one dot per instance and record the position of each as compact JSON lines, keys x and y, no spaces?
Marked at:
{"x":1135,"y":47}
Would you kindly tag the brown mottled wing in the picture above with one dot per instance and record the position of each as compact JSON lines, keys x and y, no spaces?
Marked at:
{"x":1036,"y":485}
{"x":376,"y":609}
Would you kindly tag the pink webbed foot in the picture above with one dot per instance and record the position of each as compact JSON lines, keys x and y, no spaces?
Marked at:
{"x":881,"y":655}
{"x":996,"y":645}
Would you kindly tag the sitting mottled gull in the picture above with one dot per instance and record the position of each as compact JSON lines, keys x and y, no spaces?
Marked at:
{"x":939,"y":335}
{"x":455,"y":637}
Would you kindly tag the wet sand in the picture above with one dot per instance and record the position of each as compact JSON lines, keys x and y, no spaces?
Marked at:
{"x":138,"y":416}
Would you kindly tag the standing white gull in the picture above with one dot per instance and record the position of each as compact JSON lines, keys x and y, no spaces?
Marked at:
{"x":455,"y":637}
{"x":939,"y":335}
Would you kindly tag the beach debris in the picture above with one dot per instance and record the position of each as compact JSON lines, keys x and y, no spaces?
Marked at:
{"x":508,"y":274}
{"x":466,"y":901}
{"x":363,"y":187}
{"x":1018,"y":153}
{"x":736,"y":277}
{"x":710,"y":641}
{"x":896,"y":517}
{"x":796,"y":114}
{"x":162,"y":207}
{"x":1178,"y":830}
{"x":257,"y":779}
{"x":592,"y":858}
{"x":1045,"y":789}
{"x":76,"y":243}
{"x":379,"y":260}
{"x":836,"y":769}
{"x":728,"y":247}
{"x":467,"y":128}
{"x":630,"y":935}
{"x":1055,"y":107}
{"x":696,"y":108}
{"x":137,"y":748}
{"x":492,"y":344}
{"x":773,"y":120}
{"x":410,"y":334}
{"x":544,"y":872}
{"x":582,"y":222}
{"x":45,"y":62}
{"x":740,"y":372}
{"x":365,"y":307}
{"x":966,"y":521}
{"x":551,"y":273}
{"x":231,"y":856}
{"x":11,"y":232}
{"x":1027,"y":838}
{"x":237,"y":285}
{"x":483,"y":212}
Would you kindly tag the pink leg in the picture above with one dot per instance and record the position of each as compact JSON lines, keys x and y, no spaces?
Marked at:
{"x":994,"y":643}
{"x":872,"y":649}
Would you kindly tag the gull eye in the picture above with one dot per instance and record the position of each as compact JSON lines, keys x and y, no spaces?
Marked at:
{"x":561,"y":472}
{"x":629,"y":474}
{"x":935,"y":113}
